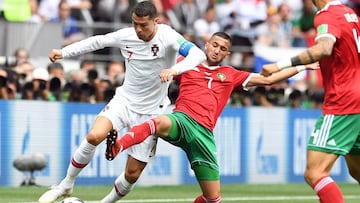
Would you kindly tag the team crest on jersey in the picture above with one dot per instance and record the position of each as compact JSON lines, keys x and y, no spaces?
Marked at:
{"x":221,"y":77}
{"x":155,"y":49}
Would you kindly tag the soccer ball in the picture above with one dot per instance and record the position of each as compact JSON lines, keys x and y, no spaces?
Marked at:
{"x":72,"y":200}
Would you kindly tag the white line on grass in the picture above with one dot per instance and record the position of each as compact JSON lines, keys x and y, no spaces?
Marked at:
{"x":228,"y":199}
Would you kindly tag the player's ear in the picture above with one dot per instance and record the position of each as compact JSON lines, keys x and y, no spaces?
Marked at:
{"x":207,"y":45}
{"x":156,"y":19}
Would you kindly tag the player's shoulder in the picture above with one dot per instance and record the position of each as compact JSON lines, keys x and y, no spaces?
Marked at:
{"x":163,"y":28}
{"x":127,"y":30}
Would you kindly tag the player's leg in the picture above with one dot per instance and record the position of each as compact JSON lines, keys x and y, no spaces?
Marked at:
{"x":126,"y":181}
{"x":139,"y":156}
{"x":199,"y":144}
{"x":160,"y":126}
{"x":333,"y":135}
{"x":353,"y":159}
{"x":353,"y":163}
{"x":82,"y":156}
{"x":209,"y":181}
{"x":318,"y":167}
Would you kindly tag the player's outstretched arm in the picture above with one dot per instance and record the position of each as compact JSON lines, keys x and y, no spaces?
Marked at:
{"x":261,"y":80}
{"x":323,"y":48}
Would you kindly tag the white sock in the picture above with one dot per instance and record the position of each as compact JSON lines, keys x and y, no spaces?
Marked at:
{"x":82,"y":156}
{"x":121,"y":188}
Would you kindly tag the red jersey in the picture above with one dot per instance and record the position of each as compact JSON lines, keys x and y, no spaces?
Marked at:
{"x":204,"y":92}
{"x":341,"y":70}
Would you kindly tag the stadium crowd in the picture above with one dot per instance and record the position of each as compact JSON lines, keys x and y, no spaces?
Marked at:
{"x":275,"y":23}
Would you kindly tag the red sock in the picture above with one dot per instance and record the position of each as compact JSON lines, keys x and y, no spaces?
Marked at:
{"x":137,"y":134}
{"x":328,"y":191}
{"x":202,"y":199}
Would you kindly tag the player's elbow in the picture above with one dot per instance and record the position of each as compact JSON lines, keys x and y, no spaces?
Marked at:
{"x":199,"y":53}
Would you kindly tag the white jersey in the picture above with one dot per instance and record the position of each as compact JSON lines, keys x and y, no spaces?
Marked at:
{"x":142,"y":90}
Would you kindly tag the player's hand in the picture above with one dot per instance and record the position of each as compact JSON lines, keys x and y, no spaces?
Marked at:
{"x":55,"y":54}
{"x":167,"y":74}
{"x":312,"y":66}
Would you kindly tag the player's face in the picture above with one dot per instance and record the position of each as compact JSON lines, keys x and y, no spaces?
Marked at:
{"x":145,"y":27}
{"x":217,"y":49}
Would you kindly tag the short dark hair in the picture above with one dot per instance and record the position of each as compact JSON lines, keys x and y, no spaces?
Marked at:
{"x":223,"y":35}
{"x":145,"y":8}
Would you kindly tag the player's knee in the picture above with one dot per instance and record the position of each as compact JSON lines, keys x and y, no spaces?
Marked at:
{"x":163,"y":125}
{"x":94,"y":138}
{"x":309,"y":177}
{"x":132,"y":175}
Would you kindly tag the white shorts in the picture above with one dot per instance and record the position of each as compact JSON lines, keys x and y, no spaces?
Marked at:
{"x":122,"y":118}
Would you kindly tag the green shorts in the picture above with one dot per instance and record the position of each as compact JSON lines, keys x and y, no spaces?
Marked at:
{"x":198,"y":143}
{"x":336,"y":134}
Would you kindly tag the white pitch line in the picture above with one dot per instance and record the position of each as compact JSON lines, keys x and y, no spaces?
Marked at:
{"x":228,"y":199}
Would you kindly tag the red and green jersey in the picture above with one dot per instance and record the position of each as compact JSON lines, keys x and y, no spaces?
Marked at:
{"x":341,"y":70}
{"x":204,"y":92}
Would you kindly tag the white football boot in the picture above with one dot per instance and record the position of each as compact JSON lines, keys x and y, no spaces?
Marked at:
{"x":54,"y":193}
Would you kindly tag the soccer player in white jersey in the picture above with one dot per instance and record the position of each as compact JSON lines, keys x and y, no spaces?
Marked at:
{"x":148,"y":49}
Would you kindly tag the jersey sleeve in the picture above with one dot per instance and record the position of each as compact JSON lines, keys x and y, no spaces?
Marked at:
{"x":325,"y":27}
{"x":93,"y":43}
{"x":240,"y":78}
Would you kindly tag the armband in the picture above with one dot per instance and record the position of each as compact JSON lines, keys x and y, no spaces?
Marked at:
{"x":284,"y":64}
{"x":185,"y":47}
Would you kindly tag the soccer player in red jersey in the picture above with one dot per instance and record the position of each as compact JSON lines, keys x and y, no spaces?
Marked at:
{"x":204,"y":92}
{"x":337,"y":130}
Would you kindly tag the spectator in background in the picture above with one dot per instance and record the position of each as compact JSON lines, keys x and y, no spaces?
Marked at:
{"x":224,"y":9}
{"x":294,"y":36}
{"x":306,"y":22}
{"x":104,"y":91}
{"x":115,"y":73}
{"x":35,"y":16}
{"x":25,"y":71}
{"x":37,"y":88}
{"x":21,"y":55}
{"x":12,"y":84}
{"x":56,"y":81}
{"x":107,"y":10}
{"x":183,"y":16}
{"x":56,"y":70}
{"x":49,"y":9}
{"x":295,"y":99}
{"x":241,"y":24}
{"x":270,"y":34}
{"x":71,"y":31}
{"x":206,"y":26}
{"x":260,"y":97}
{"x":87,"y":65}
{"x":3,"y":84}
{"x":240,"y":97}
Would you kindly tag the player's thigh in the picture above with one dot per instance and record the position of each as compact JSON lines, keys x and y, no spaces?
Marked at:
{"x":319,"y":163}
{"x":99,"y":130}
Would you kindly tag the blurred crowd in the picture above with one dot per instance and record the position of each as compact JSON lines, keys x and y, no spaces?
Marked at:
{"x":276,"y":23}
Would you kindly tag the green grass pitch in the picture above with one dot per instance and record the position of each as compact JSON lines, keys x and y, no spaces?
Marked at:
{"x":232,"y":193}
